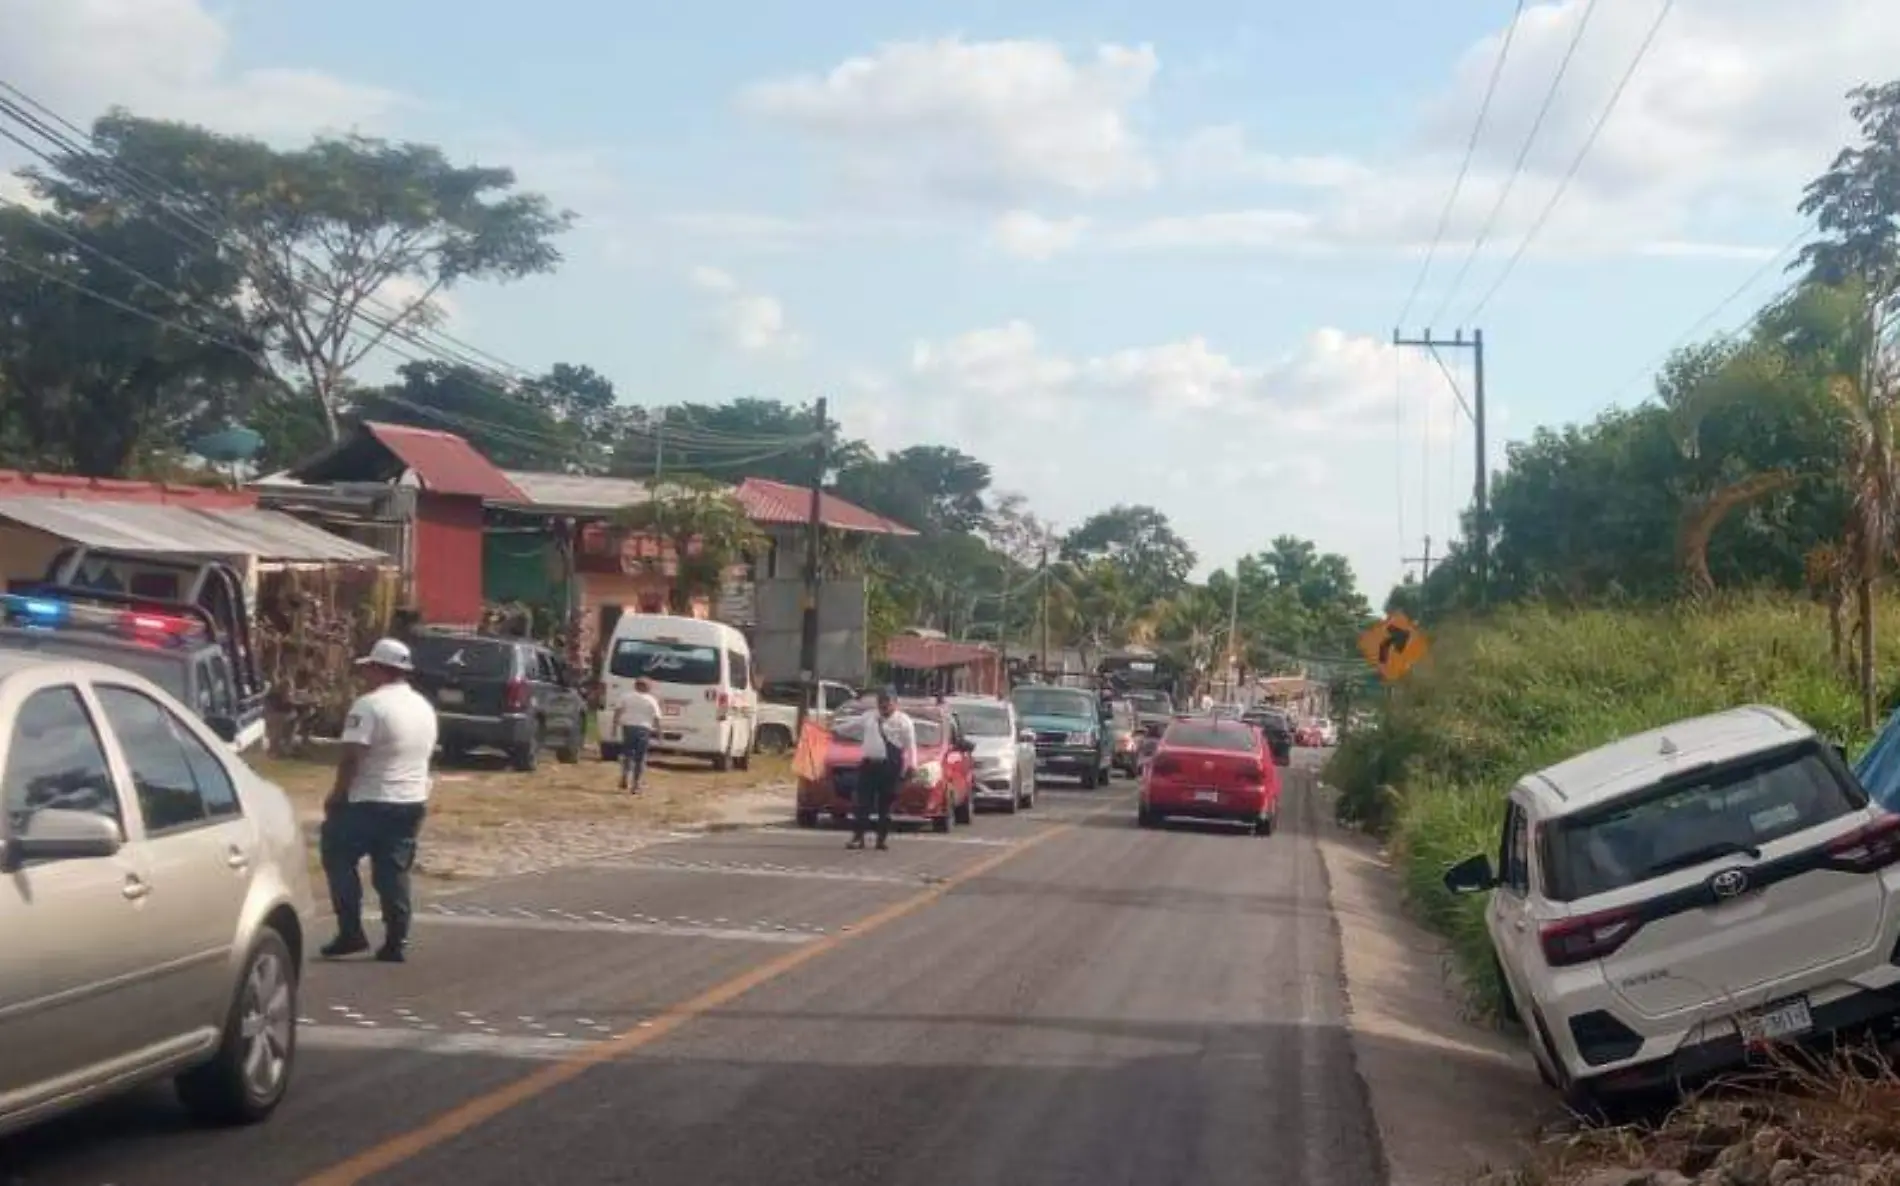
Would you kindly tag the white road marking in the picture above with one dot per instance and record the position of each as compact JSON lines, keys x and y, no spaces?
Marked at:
{"x":528,"y":922}
{"x":492,"y":1045}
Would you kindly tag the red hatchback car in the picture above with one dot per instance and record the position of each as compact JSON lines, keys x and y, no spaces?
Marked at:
{"x":940,"y":793}
{"x":1211,"y":769}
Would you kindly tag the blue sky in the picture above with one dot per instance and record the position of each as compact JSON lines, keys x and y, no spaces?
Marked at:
{"x":1123,"y":252}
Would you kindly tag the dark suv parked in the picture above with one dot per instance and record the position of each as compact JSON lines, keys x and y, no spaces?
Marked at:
{"x":508,"y":694}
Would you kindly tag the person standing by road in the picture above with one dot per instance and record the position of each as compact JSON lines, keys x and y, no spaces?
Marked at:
{"x":890,"y":756}
{"x":636,"y":714}
{"x":376,"y":805}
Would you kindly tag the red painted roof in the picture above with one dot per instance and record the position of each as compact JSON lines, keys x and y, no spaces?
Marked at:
{"x":766,"y":501}
{"x":927,"y":654}
{"x":444,"y":462}
{"x":19,"y":484}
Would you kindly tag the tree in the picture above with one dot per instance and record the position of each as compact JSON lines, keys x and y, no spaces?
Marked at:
{"x":585,"y":405}
{"x":513,"y":431}
{"x":115,"y":342}
{"x":702,"y":527}
{"x":1155,"y":560}
{"x":344,"y":245}
{"x":758,"y":438}
{"x":932,"y":488}
{"x":1856,"y":204}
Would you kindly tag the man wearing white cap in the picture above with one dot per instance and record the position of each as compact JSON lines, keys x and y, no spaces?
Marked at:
{"x":375,"y":809}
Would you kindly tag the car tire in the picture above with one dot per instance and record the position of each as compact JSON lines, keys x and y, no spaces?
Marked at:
{"x":525,"y":757}
{"x":1507,"y":1005}
{"x":941,"y":824}
{"x":965,"y":811}
{"x":570,"y":751}
{"x":722,"y":762}
{"x":1264,"y":825}
{"x":454,"y":755}
{"x":263,"y":1010}
{"x":775,"y":739}
{"x":1091,"y":778}
{"x":1015,"y":802}
{"x":806,"y":819}
{"x":743,"y":761}
{"x":1144,"y":818}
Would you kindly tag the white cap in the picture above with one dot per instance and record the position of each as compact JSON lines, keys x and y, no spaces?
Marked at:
{"x":391,"y":653}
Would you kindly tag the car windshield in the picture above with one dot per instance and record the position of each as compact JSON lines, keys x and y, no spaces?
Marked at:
{"x":166,"y":669}
{"x":666,"y":662}
{"x":1150,"y":702}
{"x":482,"y":658}
{"x":983,"y":720}
{"x":1053,"y":702}
{"x":1207,"y":735}
{"x":1730,"y":809}
{"x":851,"y":729}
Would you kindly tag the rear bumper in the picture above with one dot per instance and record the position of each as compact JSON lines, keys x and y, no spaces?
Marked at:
{"x":1237,"y":806}
{"x":1067,"y":760}
{"x":456,"y":729}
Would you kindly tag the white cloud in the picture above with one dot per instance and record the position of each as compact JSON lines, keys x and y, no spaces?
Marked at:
{"x":168,"y":58}
{"x":1222,"y":154}
{"x":1028,"y":235}
{"x":751,"y":322}
{"x":988,"y":121}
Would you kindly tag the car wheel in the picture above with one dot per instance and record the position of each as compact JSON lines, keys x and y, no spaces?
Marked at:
{"x":247,"y":1078}
{"x":454,"y":755}
{"x":1015,"y":801}
{"x":570,"y":751}
{"x":722,"y":762}
{"x":743,"y":761}
{"x":525,"y":757}
{"x":775,"y":739}
{"x":941,"y":824}
{"x":806,"y":819}
{"x":1507,"y":1006}
{"x":1264,"y":825}
{"x":965,"y":811}
{"x":1091,"y":778}
{"x":1144,"y":818}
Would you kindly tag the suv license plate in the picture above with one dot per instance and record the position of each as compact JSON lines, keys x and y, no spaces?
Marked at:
{"x":671,"y":708}
{"x":1785,"y":1019}
{"x":450,"y":696}
{"x":1207,"y":796}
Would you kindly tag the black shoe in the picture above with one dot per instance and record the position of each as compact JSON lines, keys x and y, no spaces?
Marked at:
{"x":883,"y":845}
{"x":343,"y":945}
{"x":391,"y":954}
{"x":855,"y":842}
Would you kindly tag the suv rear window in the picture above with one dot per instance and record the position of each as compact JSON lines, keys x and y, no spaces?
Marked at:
{"x":1237,"y":739}
{"x":1053,"y":702}
{"x":481,"y":658}
{"x":667,"y":662}
{"x":1699,"y":817}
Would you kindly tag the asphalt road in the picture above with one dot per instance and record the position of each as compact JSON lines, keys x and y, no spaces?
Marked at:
{"x":1051,"y":998}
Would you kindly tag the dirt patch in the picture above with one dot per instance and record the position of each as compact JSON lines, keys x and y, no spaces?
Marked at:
{"x":1452,"y":1098}
{"x":488,"y":821}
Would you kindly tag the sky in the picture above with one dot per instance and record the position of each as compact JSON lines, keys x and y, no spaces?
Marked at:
{"x":1123,"y":253}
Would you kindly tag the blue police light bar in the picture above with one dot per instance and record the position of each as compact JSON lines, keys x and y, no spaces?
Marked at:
{"x":47,"y":613}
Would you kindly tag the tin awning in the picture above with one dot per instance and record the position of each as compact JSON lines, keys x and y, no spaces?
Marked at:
{"x":155,"y":530}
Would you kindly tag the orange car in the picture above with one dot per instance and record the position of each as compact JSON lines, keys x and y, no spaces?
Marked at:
{"x":939,"y":793}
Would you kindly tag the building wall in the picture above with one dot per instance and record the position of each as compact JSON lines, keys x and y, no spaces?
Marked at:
{"x":448,"y":559}
{"x":604,"y":596}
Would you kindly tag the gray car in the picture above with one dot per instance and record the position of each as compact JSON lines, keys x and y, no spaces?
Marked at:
{"x":1004,"y":757}
{"x":154,"y":896}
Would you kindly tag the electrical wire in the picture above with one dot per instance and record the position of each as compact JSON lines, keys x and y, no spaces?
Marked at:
{"x":122,"y":306}
{"x":1517,"y":167}
{"x":1570,"y":174}
{"x":1464,"y":166}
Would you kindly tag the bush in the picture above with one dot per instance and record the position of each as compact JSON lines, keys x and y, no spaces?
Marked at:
{"x":1529,"y":686}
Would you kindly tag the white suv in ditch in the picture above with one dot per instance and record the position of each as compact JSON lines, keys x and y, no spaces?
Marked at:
{"x":1665,"y":905}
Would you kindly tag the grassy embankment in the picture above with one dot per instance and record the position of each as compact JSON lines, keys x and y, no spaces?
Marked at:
{"x":1531,"y":686}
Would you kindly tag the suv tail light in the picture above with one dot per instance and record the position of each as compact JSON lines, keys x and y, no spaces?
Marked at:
{"x":725,"y":704}
{"x":515,"y":697}
{"x":1587,"y":937}
{"x":1866,"y":849}
{"x":1251,"y":774}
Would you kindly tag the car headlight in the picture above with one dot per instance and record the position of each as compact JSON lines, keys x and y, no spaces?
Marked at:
{"x":1081,"y":739}
{"x":929,"y":774}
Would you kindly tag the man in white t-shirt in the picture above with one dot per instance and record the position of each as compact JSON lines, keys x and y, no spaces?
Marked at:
{"x":376,"y":806}
{"x":889,"y":757}
{"x":636,"y":715}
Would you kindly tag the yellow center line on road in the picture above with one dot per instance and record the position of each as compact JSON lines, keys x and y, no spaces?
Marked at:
{"x":478,"y":1111}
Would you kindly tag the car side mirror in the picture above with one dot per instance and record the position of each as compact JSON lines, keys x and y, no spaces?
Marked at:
{"x":224,"y":726}
{"x":1472,"y":875}
{"x":61,"y":834}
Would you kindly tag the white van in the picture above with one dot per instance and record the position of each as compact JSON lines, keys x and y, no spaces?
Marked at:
{"x":701,"y":673}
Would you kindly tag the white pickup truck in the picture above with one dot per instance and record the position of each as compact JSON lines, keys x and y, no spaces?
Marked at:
{"x":777,"y":730}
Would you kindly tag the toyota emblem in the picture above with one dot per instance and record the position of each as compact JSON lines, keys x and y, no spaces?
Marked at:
{"x":1729,"y":883}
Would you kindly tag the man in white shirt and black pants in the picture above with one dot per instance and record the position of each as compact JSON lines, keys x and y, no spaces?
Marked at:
{"x":376,"y":807}
{"x":890,"y":756}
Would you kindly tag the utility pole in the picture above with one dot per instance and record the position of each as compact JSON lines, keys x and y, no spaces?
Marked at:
{"x":808,"y":625}
{"x":1042,"y":570}
{"x":1481,"y":483}
{"x":1233,"y":640}
{"x":1425,"y":561}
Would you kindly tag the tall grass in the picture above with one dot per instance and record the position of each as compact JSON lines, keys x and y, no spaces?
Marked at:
{"x":1530,"y":686}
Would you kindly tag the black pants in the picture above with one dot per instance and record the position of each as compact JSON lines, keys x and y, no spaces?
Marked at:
{"x":876,"y":791}
{"x":386,"y":834}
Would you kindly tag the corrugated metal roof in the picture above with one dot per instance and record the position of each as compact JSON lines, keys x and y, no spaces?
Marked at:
{"x":928,"y":654}
{"x":578,"y":492}
{"x":177,"y":530}
{"x":445,"y":463}
{"x":20,"y":484}
{"x":767,"y":501}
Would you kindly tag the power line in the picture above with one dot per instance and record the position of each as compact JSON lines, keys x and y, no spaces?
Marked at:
{"x":1543,"y":216}
{"x":1464,"y":167}
{"x":123,"y":306}
{"x":1517,"y":167}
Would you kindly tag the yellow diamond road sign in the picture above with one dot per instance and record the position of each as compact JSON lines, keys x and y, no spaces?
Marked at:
{"x":1394,"y":646}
